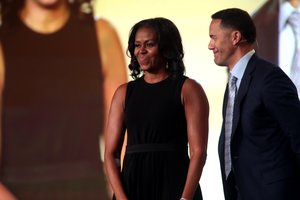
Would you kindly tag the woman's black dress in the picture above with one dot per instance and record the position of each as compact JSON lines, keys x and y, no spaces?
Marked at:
{"x":156,"y":159}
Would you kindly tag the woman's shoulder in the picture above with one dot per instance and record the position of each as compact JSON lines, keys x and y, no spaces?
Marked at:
{"x":191,"y":86}
{"x":122,"y":89}
{"x":190,"y":82}
{"x":107,"y":32}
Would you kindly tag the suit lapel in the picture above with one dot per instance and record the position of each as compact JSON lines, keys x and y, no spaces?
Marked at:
{"x":225,"y":101}
{"x":222,"y":135}
{"x":245,"y":82}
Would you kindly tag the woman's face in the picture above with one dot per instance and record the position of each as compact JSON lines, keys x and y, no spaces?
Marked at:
{"x":147,"y":51}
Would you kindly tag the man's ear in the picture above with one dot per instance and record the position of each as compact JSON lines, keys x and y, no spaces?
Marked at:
{"x":236,"y":37}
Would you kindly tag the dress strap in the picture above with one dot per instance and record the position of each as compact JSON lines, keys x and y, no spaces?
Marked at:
{"x":138,"y":148}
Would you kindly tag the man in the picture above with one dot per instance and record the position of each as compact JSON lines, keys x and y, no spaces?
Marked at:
{"x":275,"y":36}
{"x":259,"y":146}
{"x":58,"y":70}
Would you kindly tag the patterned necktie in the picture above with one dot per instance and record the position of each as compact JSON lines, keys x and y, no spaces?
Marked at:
{"x":294,"y":21}
{"x":228,"y":122}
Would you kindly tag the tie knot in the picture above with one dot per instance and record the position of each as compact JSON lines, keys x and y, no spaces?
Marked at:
{"x":233,"y":80}
{"x":294,"y":21}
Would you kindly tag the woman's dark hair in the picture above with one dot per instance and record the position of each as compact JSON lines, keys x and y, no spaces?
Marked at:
{"x":238,"y":19}
{"x":9,"y":10}
{"x":169,"y":44}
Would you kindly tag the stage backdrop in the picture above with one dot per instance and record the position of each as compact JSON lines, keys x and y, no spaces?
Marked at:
{"x":192,"y":17}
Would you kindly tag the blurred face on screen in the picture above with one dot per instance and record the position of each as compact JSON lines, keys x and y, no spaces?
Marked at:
{"x":48,"y":3}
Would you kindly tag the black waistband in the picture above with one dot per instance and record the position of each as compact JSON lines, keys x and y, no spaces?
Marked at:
{"x":155,"y":147}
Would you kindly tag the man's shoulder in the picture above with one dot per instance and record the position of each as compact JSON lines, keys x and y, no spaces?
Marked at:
{"x":264,"y":68}
{"x":260,"y":66}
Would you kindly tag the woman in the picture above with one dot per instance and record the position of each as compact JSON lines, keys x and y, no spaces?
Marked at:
{"x":54,"y":95}
{"x":162,"y":110}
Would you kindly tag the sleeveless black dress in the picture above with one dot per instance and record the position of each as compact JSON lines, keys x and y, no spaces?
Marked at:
{"x":156,"y":159}
{"x":52,"y":112}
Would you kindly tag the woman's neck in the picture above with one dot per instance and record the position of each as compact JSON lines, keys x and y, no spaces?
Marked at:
{"x":155,"y":78}
{"x":45,"y":19}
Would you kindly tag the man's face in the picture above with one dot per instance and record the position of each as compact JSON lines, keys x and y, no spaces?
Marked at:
{"x":221,"y":43}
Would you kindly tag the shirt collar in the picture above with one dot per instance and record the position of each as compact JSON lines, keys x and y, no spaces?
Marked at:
{"x":240,"y":67}
{"x":285,"y":11}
